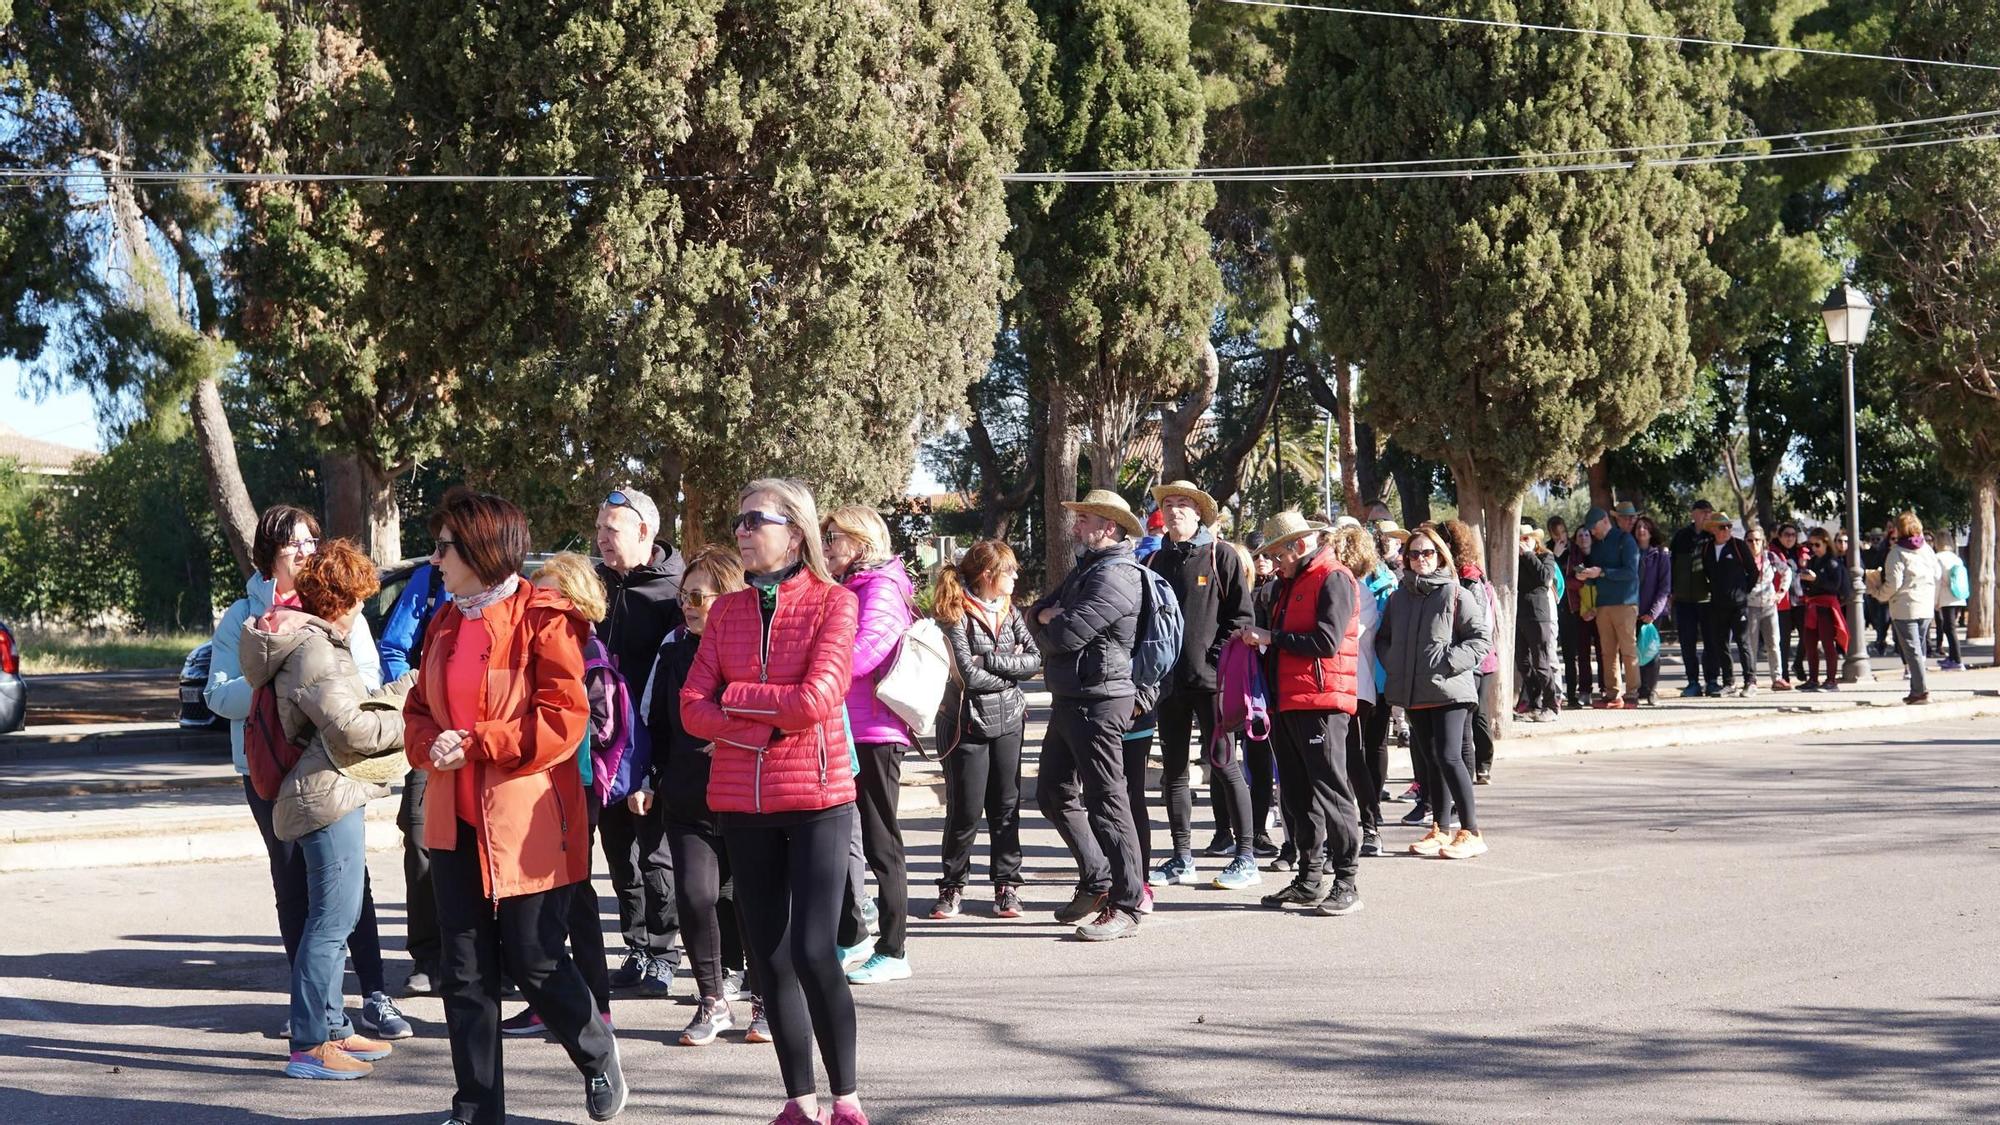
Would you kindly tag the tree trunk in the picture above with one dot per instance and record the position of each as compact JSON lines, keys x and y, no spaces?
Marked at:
{"x":1600,"y":485}
{"x":1367,"y":469}
{"x":1059,"y":454}
{"x":1350,"y":470}
{"x":226,"y":492}
{"x":694,"y":529}
{"x":668,"y":498}
{"x":1980,"y":564}
{"x":1765,"y":489}
{"x":1498,"y":518}
{"x":361,"y":506}
{"x":1413,"y":489}
{"x":1178,"y":423}
{"x":1227,"y":481}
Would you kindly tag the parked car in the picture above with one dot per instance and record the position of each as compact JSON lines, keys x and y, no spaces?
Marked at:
{"x":195,"y":714}
{"x":13,"y":689}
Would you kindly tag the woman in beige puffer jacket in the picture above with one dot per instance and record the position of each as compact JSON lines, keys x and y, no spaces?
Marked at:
{"x":1908,"y":581}
{"x":352,"y":746}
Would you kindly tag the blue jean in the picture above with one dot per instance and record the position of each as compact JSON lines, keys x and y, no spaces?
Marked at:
{"x":336,"y":864}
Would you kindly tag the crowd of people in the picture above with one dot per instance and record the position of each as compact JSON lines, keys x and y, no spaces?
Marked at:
{"x":731,"y":729}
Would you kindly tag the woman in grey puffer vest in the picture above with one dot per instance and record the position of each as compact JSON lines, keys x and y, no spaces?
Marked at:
{"x":1433,"y":636}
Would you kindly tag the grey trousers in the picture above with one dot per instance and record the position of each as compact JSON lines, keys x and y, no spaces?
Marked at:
{"x":1760,"y":635}
{"x":1912,"y":641}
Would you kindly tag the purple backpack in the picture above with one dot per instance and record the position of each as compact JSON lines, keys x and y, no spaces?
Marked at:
{"x":1243,"y":702}
{"x":620,"y":757}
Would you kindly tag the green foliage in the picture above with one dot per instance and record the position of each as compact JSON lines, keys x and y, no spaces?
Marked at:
{"x":54,"y":652}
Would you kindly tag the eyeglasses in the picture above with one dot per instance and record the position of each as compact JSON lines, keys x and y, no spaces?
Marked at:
{"x":445,"y":547}
{"x":754,"y":519}
{"x":695,"y":599}
{"x":302,"y":546}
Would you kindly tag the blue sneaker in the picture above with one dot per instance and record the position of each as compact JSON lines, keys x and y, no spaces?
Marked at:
{"x":1692,"y":691}
{"x":852,"y":957}
{"x":881,"y":969}
{"x":1241,"y":872}
{"x":1178,"y":870}
{"x":381,"y":1018}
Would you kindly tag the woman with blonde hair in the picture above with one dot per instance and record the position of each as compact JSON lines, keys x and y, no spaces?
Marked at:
{"x":768,"y":689}
{"x":1368,"y":734}
{"x":1908,"y":584}
{"x":860,"y":555}
{"x":981,"y":722}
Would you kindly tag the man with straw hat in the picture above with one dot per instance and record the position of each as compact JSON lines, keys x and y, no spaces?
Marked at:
{"x":1087,"y":628}
{"x":1214,"y":593}
{"x":1313,"y":651}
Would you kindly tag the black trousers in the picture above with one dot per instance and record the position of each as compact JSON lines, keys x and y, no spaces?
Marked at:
{"x":1539,"y":689}
{"x":1368,"y":760}
{"x":706,"y":901}
{"x":586,"y":924}
{"x":1479,"y":732}
{"x":1948,"y":618}
{"x":1262,"y":767}
{"x":421,"y":937}
{"x":1688,"y":618}
{"x":983,"y":775}
{"x":1722,"y":624}
{"x":1179,"y":715}
{"x":642,"y":875}
{"x":790,"y":876}
{"x":1082,"y":791}
{"x":877,"y":789}
{"x":1437,"y":741}
{"x":288,"y":886}
{"x":1790,"y":623}
{"x":1317,"y":793}
{"x":1579,"y":652}
{"x":1138,"y":751}
{"x":523,"y":937}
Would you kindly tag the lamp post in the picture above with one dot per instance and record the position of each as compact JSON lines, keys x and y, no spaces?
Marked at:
{"x":1847,"y":312}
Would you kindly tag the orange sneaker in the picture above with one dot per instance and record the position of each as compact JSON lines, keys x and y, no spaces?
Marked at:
{"x":326,"y":1061}
{"x":363,"y":1048}
{"x":1433,"y":840}
{"x":1465,"y":845}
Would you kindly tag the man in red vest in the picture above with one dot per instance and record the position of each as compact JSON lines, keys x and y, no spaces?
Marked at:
{"x":1311,"y":659}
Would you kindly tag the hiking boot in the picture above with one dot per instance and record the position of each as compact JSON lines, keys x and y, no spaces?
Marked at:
{"x":1222,"y":845}
{"x":632,"y":971}
{"x":381,"y":1018}
{"x":1110,"y":925}
{"x":659,"y":978}
{"x":604,"y":1094}
{"x":881,"y":969}
{"x":1298,"y":892}
{"x":524,"y":1023}
{"x":1083,"y":904}
{"x":712,"y":1017}
{"x":363,"y":1048}
{"x":950,"y":903}
{"x":1242,"y":872}
{"x":1006,"y":902}
{"x":1433,"y":841}
{"x":326,"y":1061}
{"x":1464,"y":845}
{"x":1342,"y":900}
{"x":1179,"y":870}
{"x":759,"y":1030}
{"x":1371,"y":843}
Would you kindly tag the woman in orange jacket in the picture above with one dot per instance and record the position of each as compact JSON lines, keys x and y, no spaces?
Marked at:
{"x":495,"y":719}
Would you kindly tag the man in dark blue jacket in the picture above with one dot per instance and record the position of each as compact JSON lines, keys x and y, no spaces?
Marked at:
{"x":1614,"y":570}
{"x":401,"y":646}
{"x":1087,"y":628}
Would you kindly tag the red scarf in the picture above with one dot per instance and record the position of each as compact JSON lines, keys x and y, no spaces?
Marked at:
{"x":1831,"y":604}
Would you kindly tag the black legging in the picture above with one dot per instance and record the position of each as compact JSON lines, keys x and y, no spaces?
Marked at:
{"x":1178,"y":717}
{"x":1579,"y":653}
{"x":707,"y":908}
{"x":1437,"y":737}
{"x":1138,"y":748}
{"x":790,"y":875}
{"x":1262,"y":768}
{"x":1790,"y":622}
{"x":1368,"y":760}
{"x":1479,"y":732}
{"x":1948,"y":617}
{"x":878,"y":789}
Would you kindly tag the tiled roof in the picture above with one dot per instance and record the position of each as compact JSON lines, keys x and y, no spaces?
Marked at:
{"x":37,"y":456}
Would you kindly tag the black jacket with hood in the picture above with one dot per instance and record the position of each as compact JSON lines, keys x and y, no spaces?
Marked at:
{"x":641,"y":608}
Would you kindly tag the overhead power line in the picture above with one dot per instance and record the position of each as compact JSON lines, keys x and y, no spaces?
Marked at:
{"x":1605,"y":34}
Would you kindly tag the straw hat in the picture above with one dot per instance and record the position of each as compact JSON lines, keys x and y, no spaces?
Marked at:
{"x":1717,"y":519}
{"x":1203,"y":502}
{"x":1625,"y":510}
{"x":1284,"y":527}
{"x":1530,"y":531}
{"x":1387,"y":529}
{"x":1108,"y":504}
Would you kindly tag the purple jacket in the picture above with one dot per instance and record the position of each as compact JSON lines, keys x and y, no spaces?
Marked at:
{"x":884,"y":593}
{"x":1656,"y":581}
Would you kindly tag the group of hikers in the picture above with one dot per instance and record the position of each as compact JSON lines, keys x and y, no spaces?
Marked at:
{"x":731,"y":727}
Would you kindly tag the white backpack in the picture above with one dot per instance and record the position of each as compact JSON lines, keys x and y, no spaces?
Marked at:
{"x":913,"y":686}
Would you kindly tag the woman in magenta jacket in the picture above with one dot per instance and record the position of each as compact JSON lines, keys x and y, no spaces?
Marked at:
{"x":859,"y":553}
{"x":767,"y":689}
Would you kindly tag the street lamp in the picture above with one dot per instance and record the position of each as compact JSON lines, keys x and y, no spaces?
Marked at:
{"x":1847,"y":312}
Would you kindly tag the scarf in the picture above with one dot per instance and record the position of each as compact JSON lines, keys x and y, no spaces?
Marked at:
{"x":476,"y":605}
{"x":767,"y":584}
{"x":1910,"y":542}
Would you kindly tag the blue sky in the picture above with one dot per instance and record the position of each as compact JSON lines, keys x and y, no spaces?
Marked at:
{"x":66,"y":418}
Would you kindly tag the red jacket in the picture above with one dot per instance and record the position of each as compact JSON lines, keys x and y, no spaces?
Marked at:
{"x":533,"y":826}
{"x":1316,"y":672}
{"x":773,"y":704}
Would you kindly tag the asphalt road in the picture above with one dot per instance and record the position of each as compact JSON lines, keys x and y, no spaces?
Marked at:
{"x":1746,"y":933}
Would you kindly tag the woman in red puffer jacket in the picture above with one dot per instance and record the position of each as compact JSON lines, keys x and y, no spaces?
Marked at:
{"x":767,"y":689}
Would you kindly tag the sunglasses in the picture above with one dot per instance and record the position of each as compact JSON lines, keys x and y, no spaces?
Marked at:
{"x":698,"y":598}
{"x":618,"y":499}
{"x":445,"y":547}
{"x":754,"y":519}
{"x":1422,"y":553}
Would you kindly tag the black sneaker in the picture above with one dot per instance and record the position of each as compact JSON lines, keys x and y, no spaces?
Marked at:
{"x":659,"y":978}
{"x":632,"y":971}
{"x":1288,"y":858}
{"x":1006,"y":902}
{"x":950,"y":903}
{"x":1371,"y":843}
{"x":1109,"y":925}
{"x":1298,"y":892}
{"x":1483,"y":777}
{"x":1083,"y":904}
{"x":1344,"y":899}
{"x":526,"y":1022}
{"x":1220,"y":846}
{"x":604,"y":1094}
{"x":712,"y":1017}
{"x":1265,"y":847}
{"x":1418,"y":816}
{"x":759,"y":1030}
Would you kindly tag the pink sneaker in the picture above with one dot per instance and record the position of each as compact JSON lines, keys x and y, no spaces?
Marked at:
{"x":845,"y":1114}
{"x":1145,"y":900}
{"x":793,"y":1115}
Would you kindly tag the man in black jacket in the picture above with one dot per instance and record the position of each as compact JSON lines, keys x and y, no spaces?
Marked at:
{"x":642,"y":585}
{"x":1088,"y":627}
{"x":1731,"y":571}
{"x":1214,"y":593}
{"x":1690,"y":588}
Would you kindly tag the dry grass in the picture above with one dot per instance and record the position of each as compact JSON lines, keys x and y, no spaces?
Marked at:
{"x":50,"y":652}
